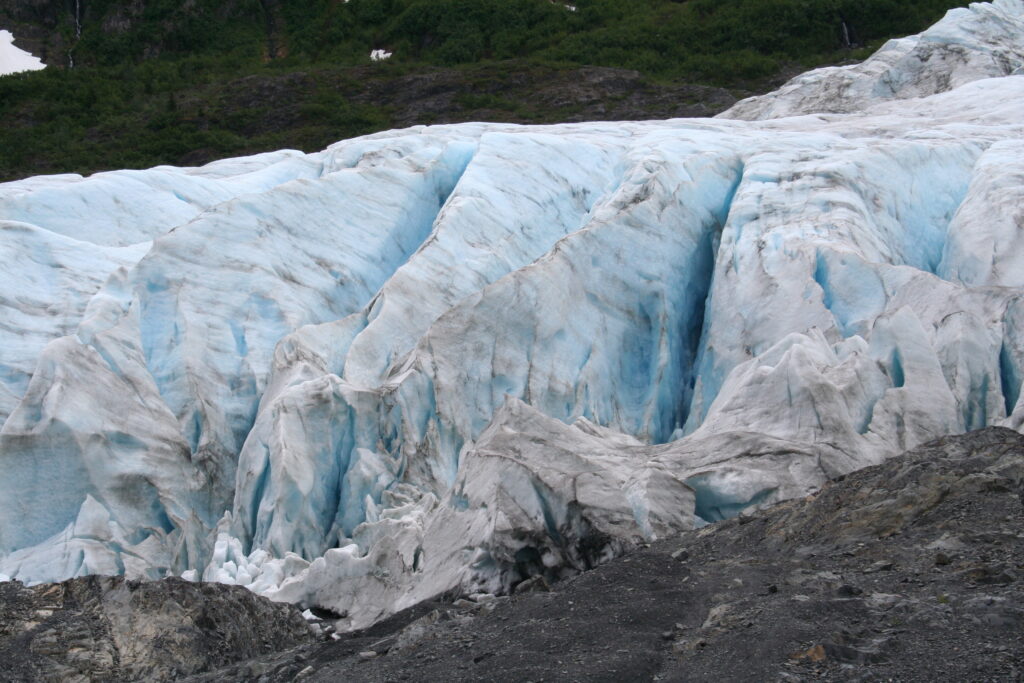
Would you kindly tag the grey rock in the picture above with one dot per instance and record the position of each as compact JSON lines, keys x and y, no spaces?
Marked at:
{"x":107,"y":628}
{"x":533,"y":584}
{"x":681,"y":555}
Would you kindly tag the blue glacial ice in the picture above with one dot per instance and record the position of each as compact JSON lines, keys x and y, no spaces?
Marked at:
{"x":454,"y":357}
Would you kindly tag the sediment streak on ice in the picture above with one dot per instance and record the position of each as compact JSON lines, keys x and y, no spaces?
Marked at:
{"x":458,"y":356}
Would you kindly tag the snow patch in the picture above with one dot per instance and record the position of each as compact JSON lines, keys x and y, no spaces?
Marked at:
{"x":15,"y":60}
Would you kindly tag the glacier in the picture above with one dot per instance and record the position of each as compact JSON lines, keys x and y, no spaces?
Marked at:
{"x":452,"y":358}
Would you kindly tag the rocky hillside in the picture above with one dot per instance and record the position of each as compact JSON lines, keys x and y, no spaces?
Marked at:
{"x":136,"y":84}
{"x":102,"y":628}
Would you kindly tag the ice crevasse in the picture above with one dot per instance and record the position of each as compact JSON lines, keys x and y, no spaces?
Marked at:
{"x":455,"y":357}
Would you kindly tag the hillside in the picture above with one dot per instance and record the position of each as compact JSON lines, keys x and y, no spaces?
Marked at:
{"x":144,"y":83}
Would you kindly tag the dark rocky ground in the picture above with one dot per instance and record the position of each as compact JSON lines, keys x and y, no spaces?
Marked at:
{"x":102,"y":628}
{"x":909,"y":571}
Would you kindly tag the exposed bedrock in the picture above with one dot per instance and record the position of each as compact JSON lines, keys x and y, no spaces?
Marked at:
{"x":101,"y":628}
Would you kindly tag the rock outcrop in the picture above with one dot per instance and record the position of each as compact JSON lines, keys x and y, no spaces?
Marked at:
{"x":101,"y":628}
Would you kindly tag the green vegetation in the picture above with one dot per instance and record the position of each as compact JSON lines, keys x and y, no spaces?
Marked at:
{"x":161,"y":81}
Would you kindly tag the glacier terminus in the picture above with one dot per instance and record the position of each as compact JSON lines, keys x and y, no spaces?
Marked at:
{"x":451,"y":358}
